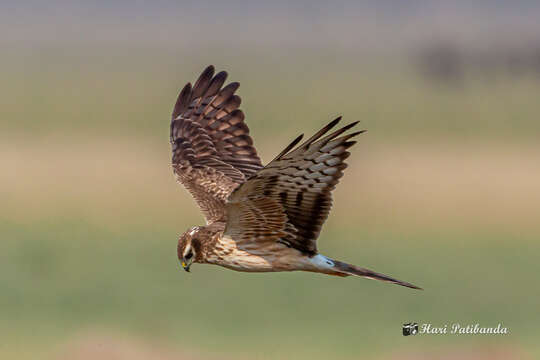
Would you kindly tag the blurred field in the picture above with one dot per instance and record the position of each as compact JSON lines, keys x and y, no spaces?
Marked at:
{"x":442,"y":191}
{"x":126,"y":92}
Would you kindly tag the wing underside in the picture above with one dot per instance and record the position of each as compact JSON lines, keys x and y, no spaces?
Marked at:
{"x":212,"y":151}
{"x":290,"y":198}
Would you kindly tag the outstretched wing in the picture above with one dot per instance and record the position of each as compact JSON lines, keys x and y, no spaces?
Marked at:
{"x":289,"y":199}
{"x":212,"y":152}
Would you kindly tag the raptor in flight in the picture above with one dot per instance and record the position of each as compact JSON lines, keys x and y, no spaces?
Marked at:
{"x":258,"y":218}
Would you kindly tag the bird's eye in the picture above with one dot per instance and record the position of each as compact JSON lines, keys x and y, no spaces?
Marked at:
{"x":189,"y":255}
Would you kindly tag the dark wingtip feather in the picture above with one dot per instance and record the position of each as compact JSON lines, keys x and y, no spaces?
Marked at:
{"x":222,"y":74}
{"x":203,"y":81}
{"x":207,"y":73}
{"x":334,"y":136}
{"x":182,"y":101}
{"x":289,"y":147}
{"x":330,"y":125}
{"x":347,"y":127}
{"x":321,"y":132}
{"x":229,"y":89}
{"x":356,"y":133}
{"x":334,"y":122}
{"x":216,"y":83}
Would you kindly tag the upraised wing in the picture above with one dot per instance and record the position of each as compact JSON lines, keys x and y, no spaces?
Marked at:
{"x":289,"y":199}
{"x":212,"y":152}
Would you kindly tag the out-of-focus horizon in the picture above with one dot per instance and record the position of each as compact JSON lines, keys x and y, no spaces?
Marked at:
{"x":371,"y":45}
{"x":388,"y":26}
{"x":442,"y":191}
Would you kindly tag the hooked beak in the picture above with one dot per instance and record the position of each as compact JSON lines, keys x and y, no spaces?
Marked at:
{"x":185,"y":265}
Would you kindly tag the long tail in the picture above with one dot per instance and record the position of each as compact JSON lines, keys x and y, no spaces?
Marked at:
{"x":343,"y":269}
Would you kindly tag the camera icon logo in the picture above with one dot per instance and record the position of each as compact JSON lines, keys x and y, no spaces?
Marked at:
{"x":410,"y":329}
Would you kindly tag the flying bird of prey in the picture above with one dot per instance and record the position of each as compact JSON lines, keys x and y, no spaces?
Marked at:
{"x":258,"y":218}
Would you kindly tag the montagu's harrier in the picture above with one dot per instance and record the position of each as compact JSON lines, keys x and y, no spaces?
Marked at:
{"x":258,"y":218}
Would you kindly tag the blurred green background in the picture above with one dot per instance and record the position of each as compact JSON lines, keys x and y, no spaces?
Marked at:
{"x":442,"y":191}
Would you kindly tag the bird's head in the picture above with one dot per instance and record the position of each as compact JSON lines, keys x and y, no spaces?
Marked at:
{"x":188,"y":248}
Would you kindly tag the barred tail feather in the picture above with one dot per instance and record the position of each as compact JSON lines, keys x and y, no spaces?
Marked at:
{"x":344,"y":269}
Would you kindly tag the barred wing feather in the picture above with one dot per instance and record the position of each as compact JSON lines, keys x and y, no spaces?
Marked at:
{"x":212,"y":152}
{"x":289,"y":199}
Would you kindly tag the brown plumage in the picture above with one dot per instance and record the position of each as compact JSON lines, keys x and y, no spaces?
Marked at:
{"x":259,"y":219}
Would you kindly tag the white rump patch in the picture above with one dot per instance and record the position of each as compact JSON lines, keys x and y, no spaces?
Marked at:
{"x":322,"y":262}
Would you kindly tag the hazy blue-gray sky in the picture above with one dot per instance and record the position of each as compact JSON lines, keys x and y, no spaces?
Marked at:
{"x":342,"y":25}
